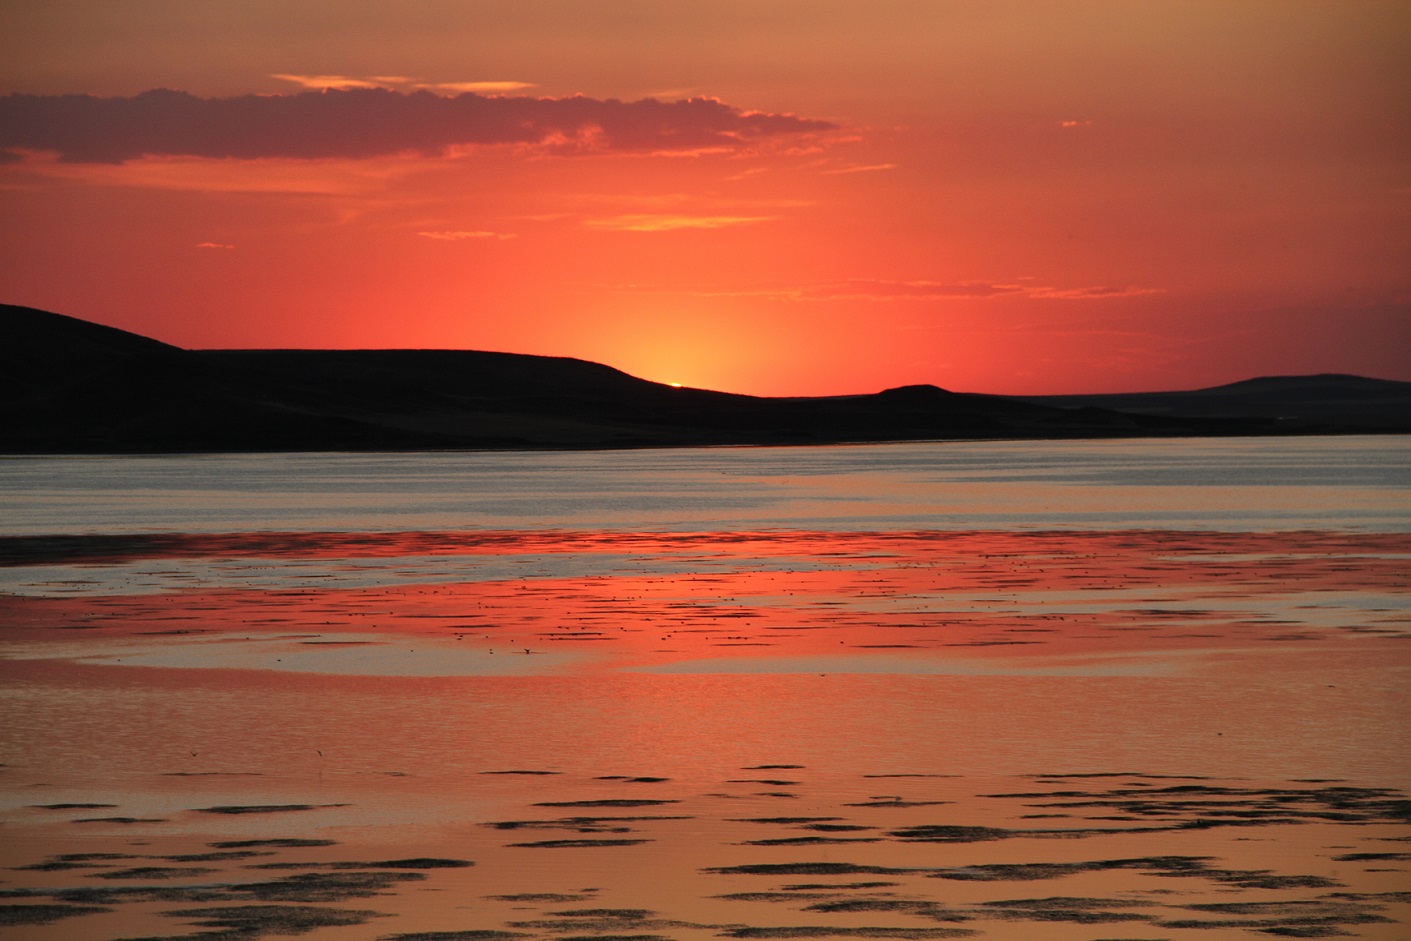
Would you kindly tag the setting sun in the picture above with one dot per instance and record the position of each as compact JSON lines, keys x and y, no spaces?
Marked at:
{"x":1013,"y":197}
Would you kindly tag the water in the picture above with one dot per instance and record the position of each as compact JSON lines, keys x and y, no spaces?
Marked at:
{"x":1162,"y":683}
{"x":1358,"y":483}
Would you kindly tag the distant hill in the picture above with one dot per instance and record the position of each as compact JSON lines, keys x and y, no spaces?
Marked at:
{"x":68,"y":386}
{"x":1325,"y":402}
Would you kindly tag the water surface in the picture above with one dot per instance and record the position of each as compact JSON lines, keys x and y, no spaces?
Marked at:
{"x":1225,"y":483}
{"x":1074,"y":690}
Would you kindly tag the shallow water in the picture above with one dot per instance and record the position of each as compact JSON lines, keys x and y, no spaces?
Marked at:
{"x":1075,"y":690}
{"x":1224,"y":483}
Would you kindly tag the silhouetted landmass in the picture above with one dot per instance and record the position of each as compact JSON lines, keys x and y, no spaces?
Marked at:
{"x":1328,"y":401}
{"x":69,"y":386}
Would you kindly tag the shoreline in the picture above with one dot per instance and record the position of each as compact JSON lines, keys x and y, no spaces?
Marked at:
{"x":704,"y":445}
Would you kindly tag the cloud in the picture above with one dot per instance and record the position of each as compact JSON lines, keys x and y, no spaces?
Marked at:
{"x":340,"y":82}
{"x":883,"y":290}
{"x":888,"y":290}
{"x":1091,"y":293}
{"x":873,"y":289}
{"x":361,"y":122}
{"x":224,"y":245}
{"x":484,"y":88}
{"x":642,"y":222}
{"x":457,"y":236}
{"x":943,"y":290}
{"x":346,"y":177}
{"x":870,"y":168}
{"x":400,"y":83}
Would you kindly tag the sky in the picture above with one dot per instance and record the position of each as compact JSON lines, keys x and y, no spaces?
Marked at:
{"x":774,"y":197}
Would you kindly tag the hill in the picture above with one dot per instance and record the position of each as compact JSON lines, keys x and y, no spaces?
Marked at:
{"x":1324,"y":402}
{"x":75,"y":387}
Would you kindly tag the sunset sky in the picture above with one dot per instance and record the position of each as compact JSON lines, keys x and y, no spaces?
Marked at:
{"x":782,"y":197}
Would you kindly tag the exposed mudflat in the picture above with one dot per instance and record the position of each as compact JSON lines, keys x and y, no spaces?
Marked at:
{"x":1188,"y":858}
{"x":569,"y":735}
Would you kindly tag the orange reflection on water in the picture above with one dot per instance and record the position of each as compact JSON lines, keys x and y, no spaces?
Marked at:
{"x":1126,"y":641}
{"x":1077,"y":700}
{"x":644,"y":600}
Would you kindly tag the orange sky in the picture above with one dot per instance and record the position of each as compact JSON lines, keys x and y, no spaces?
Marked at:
{"x":827,"y":196}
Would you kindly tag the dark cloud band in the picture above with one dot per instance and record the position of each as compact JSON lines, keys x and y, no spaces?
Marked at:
{"x":368,"y":122}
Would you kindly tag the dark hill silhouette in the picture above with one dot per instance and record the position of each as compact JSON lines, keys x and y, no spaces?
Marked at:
{"x":36,"y":344}
{"x":77,"y":387}
{"x":33,"y":333}
{"x":1327,"y":401}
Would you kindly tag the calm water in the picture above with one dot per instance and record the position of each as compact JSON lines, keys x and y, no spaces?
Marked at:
{"x":1351,"y":483}
{"x":1015,"y":690}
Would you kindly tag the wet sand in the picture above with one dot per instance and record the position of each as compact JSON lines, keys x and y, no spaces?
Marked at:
{"x":1073,"y":735}
{"x":890,"y":856}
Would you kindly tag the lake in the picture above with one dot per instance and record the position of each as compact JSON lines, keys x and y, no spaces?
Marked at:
{"x":1076,"y":690}
{"x":1357,"y":483}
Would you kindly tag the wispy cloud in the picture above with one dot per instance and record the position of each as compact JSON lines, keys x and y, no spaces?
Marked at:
{"x":357,"y":121}
{"x":869,"y":289}
{"x":642,"y":222}
{"x":459,"y":236}
{"x":482,"y":88}
{"x":344,"y":177}
{"x":884,"y":290}
{"x":337,"y":82}
{"x":219,"y":245}
{"x":1091,"y":293}
{"x":888,"y":290}
{"x":869,"y":168}
{"x":942,"y":290}
{"x":400,"y":83}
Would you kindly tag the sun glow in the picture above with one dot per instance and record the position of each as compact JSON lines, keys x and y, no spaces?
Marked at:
{"x":669,"y":201}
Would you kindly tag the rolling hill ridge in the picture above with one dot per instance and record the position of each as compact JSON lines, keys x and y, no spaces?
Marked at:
{"x":70,"y":386}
